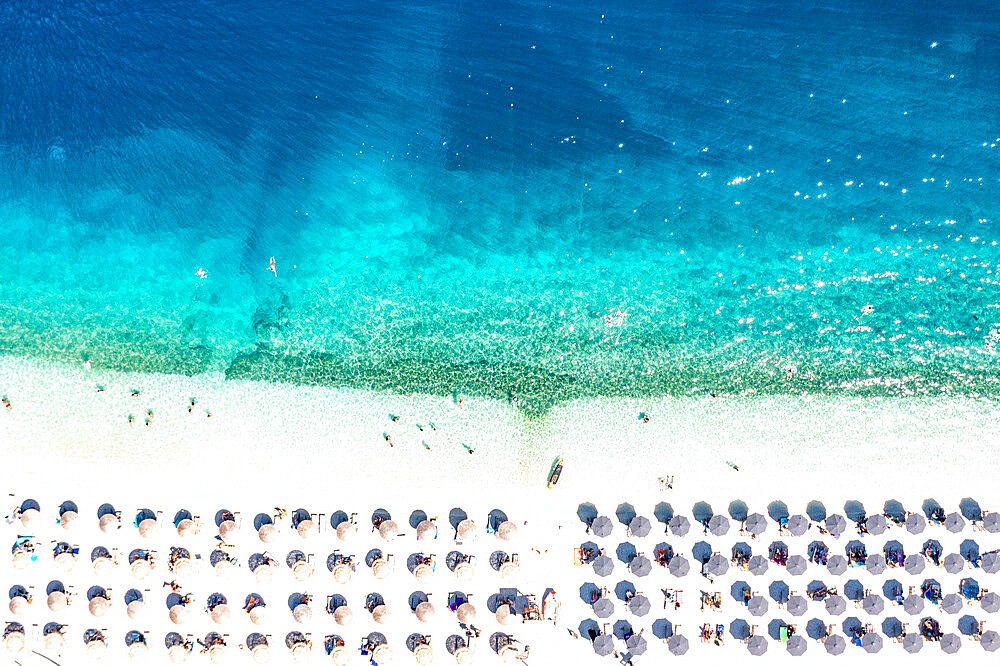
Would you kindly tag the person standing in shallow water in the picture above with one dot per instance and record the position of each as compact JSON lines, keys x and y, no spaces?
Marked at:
{"x":469,"y":449}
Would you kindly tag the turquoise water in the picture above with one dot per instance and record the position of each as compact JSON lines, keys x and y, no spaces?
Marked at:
{"x":456,"y":196}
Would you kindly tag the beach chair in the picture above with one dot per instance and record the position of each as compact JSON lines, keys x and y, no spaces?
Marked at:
{"x":578,"y":557}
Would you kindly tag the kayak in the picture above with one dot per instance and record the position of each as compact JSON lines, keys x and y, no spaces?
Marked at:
{"x":556,"y":471}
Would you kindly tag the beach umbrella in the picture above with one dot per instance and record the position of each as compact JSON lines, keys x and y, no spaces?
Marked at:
{"x":306,"y":528}
{"x":186,"y":527}
{"x":640,"y":526}
{"x":835,"y":605}
{"x":796,"y":565}
{"x":796,"y":646}
{"x":228,"y":530}
{"x":177,"y":653}
{"x":464,"y":572}
{"x":836,"y":524}
{"x":19,"y":605}
{"x":797,"y":526}
{"x":302,"y":570}
{"x":258,"y":615}
{"x":467,"y":613}
{"x":604,"y":645}
{"x":507,"y":570}
{"x":134,"y":608}
{"x":343,"y":616}
{"x":636,"y":644}
{"x":424,"y":611}
{"x":388,"y":530}
{"x":467,"y":529}
{"x":679,"y":525}
{"x":65,"y":561}
{"x":952,"y":603}
{"x":604,"y":565}
{"x":216,"y":653}
{"x":871,"y":642}
{"x":302,"y":613}
{"x":382,"y":654}
{"x":990,"y":640}
{"x":990,"y":602}
{"x":463,"y":656}
{"x":14,"y":642}
{"x":679,"y":566}
{"x":639,"y":605}
{"x":954,"y":563}
{"x":757,"y":565}
{"x":602,"y":526}
{"x":954,"y":523}
{"x":221,"y":614}
{"x":757,"y":606}
{"x":718,"y":525}
{"x":423,"y":571}
{"x":141,"y":569}
{"x":756,"y":523}
{"x":426,"y":529}
{"x":914,"y":564}
{"x":54,"y":640}
{"x":20,"y":559}
{"x":717,"y":565}
{"x":178,"y":614}
{"x":641,"y":566}
{"x":915,"y":523}
{"x":873,"y":604}
{"x":991,"y":523}
{"x":268,"y":533}
{"x":876,"y":524}
{"x":67,"y":519}
{"x":876,"y":564}
{"x":677,"y":645}
{"x":96,"y":649}
{"x":836,"y":564}
{"x":103,"y":566}
{"x":98,"y":606}
{"x":147,"y":527}
{"x":30,"y":516}
{"x":504,"y":614}
{"x":138,"y":651}
{"x":423,"y":654}
{"x":261,"y":653}
{"x":835,"y":645}
{"x":346,"y":530}
{"x":508,"y":530}
{"x":381,"y":569}
{"x":913,"y":642}
{"x":990,"y":562}
{"x":913,"y":604}
{"x":264,"y":573}
{"x":797,"y":605}
{"x":56,"y":602}
{"x":951,"y":643}
{"x":756,"y":645}
{"x":381,"y":614}
{"x":604,"y":608}
{"x":108,"y":522}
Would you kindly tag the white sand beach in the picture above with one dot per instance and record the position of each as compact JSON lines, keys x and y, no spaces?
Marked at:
{"x":273,"y":445}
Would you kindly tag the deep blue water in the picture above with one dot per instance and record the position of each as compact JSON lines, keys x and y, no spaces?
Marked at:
{"x":457,"y":194}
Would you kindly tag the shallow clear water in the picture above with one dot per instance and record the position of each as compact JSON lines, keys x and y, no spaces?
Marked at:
{"x":457,"y":196}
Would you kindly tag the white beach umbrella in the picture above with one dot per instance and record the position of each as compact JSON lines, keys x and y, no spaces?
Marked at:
{"x":466,"y":613}
{"x":306,"y":529}
{"x":423,"y":573}
{"x":134,"y":608}
{"x":423,"y":654}
{"x":30,"y":517}
{"x":301,"y":652}
{"x":382,"y":655}
{"x":346,"y":530}
{"x":467,"y":530}
{"x":464,"y":572}
{"x":184,"y":567}
{"x":508,"y":654}
{"x":464,"y":656}
{"x":178,"y":614}
{"x":424,"y":611}
{"x":147,"y":528}
{"x":54,"y":640}
{"x":138,"y":651}
{"x":221,"y":614}
{"x":141,"y":569}
{"x":217,"y":653}
{"x":223,"y":568}
{"x":186,"y":527}
{"x":67,"y":519}
{"x":20,"y":559}
{"x":103,"y":566}
{"x":264,"y":574}
{"x":302,"y":613}
{"x":108,"y":522}
{"x":388,"y":530}
{"x":261,"y":653}
{"x":177,"y":654}
{"x":426,"y":529}
{"x":57,"y":601}
{"x":98,"y":606}
{"x":343,"y":616}
{"x":258,"y":615}
{"x":18,"y":605}
{"x":65,"y":561}
{"x":504,"y":615}
{"x":342,"y":573}
{"x":507,"y":570}
{"x":380,"y":569}
{"x":96,"y":649}
{"x":301,"y":570}
{"x":15,"y":642}
{"x":507,"y":530}
{"x":381,"y":614}
{"x":228,"y":530}
{"x":340,"y":656}
{"x":268,"y":533}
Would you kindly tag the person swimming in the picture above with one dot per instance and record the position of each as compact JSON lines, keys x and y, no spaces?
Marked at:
{"x":272,"y":268}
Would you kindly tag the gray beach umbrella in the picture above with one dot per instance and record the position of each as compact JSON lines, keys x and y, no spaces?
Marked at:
{"x":641,"y":566}
{"x":640,"y":526}
{"x":835,"y":605}
{"x":875,"y":564}
{"x":679,"y":566}
{"x":871,"y":642}
{"x":991,"y":523}
{"x":990,"y":640}
{"x":913,"y":604}
{"x":954,"y":563}
{"x":756,"y":523}
{"x":990,"y":602}
{"x":680,"y":525}
{"x":876,"y":524}
{"x":677,"y":645}
{"x":952,"y":603}
{"x":873,"y":604}
{"x":717,"y":565}
{"x":990,"y":562}
{"x":954,"y":523}
{"x":835,"y":644}
{"x":915,"y":523}
{"x":797,"y":605}
{"x":602,"y":526}
{"x":914,"y":563}
{"x":951,"y":643}
{"x":639,"y":605}
{"x":718,"y":525}
{"x":913,"y":642}
{"x":796,"y":646}
{"x":836,"y":524}
{"x":797,"y":525}
{"x":796,"y":565}
{"x":757,"y":565}
{"x":757,"y":645}
{"x":604,"y":565}
{"x":757,"y":606}
{"x":836,"y":564}
{"x":604,"y":608}
{"x":636,"y":644}
{"x":604,"y":645}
